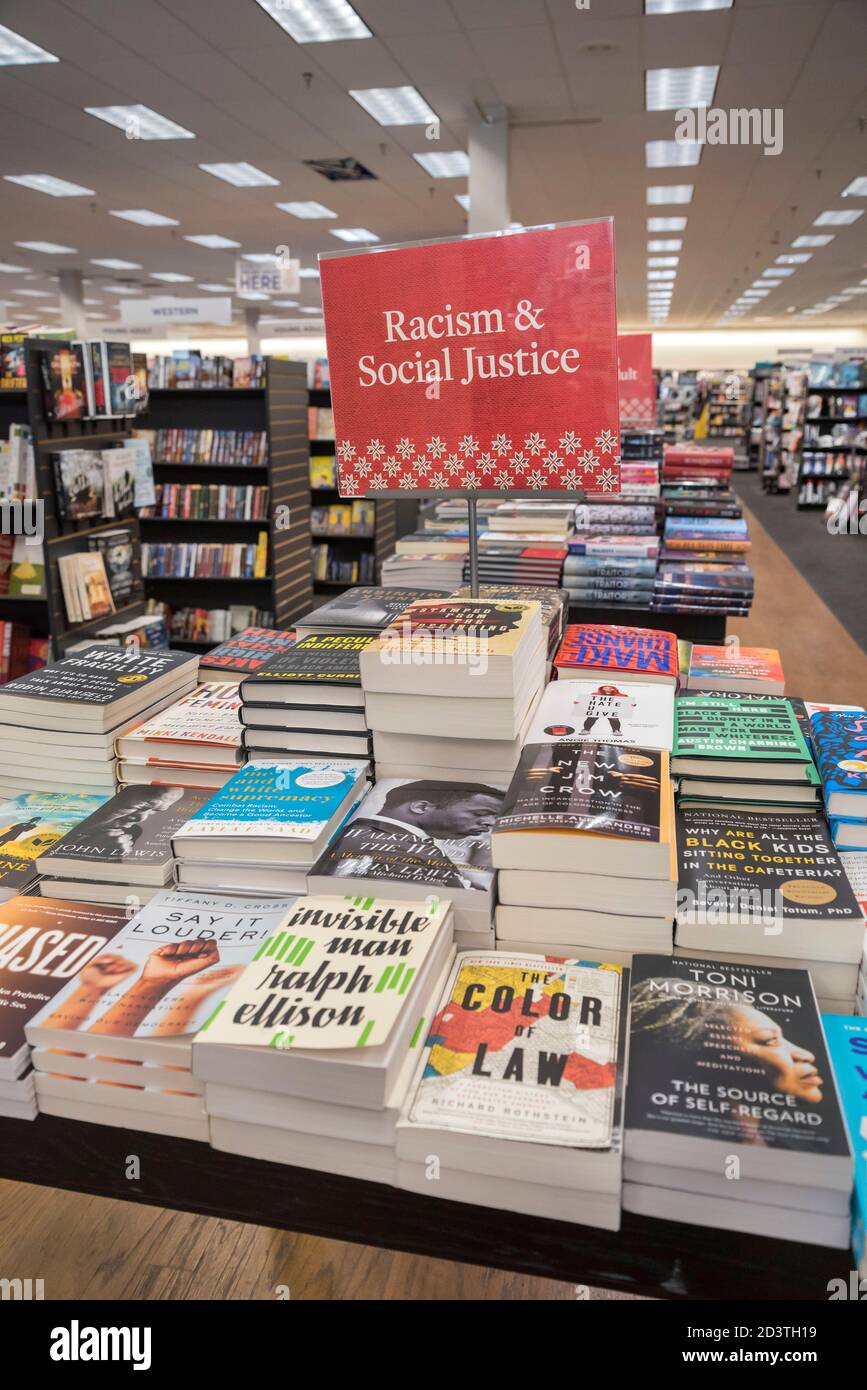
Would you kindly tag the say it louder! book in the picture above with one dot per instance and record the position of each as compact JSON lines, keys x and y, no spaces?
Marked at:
{"x":640,"y":652}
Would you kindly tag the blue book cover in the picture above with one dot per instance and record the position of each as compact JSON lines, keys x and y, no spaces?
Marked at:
{"x":847,"y":1045}
{"x":840,"y":742}
{"x":721,"y":527}
{"x":290,"y":800}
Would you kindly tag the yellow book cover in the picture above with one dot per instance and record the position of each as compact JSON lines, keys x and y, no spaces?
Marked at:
{"x":503,"y":624}
{"x":260,"y":568}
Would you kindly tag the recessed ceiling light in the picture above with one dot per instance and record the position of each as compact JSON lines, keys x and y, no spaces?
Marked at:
{"x":355,"y":234}
{"x":394,"y":105}
{"x":766,"y":284}
{"x":308,"y":211}
{"x":661,"y":262}
{"x":212,"y":241}
{"x":666,"y":224}
{"x":92,"y":301}
{"x":215,"y":289}
{"x":661,"y":274}
{"x":800,"y":259}
{"x":670,"y":193}
{"x":308,"y":273}
{"x":310,"y":309}
{"x":856,"y":189}
{"x":445,"y":164}
{"x":463,"y":200}
{"x":812,"y":241}
{"x":110,"y":263}
{"x":121,"y":289}
{"x":669,"y":89}
{"x":171,"y":277}
{"x":36,"y":294}
{"x":665,"y":154}
{"x":145,"y":218}
{"x":317,"y":21}
{"x":838,"y":219}
{"x":672,"y":245}
{"x":778,"y":270}
{"x":682,"y":6}
{"x":15,"y":50}
{"x":259,"y":257}
{"x":240,"y":175}
{"x":48,"y":248}
{"x":140,"y":122}
{"x":7,"y":269}
{"x":47,"y":183}
{"x":756,"y":294}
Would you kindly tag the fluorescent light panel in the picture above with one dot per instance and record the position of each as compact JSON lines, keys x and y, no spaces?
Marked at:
{"x":445,"y":164}
{"x":16,"y":50}
{"x":856,"y":189}
{"x":812,"y":241}
{"x":673,"y":245}
{"x":121,"y":289}
{"x":778,"y":271}
{"x":669,"y":89}
{"x":140,"y":122}
{"x":47,"y":183}
{"x":306,"y":211}
{"x":171,"y":277}
{"x":317,"y":21}
{"x":661,"y":274}
{"x":353,"y":234}
{"x":47,"y":248}
{"x":7,"y":269}
{"x":683,"y":6}
{"x":145,"y":218}
{"x":213,"y":241}
{"x":666,"y":224}
{"x":666,"y":154}
{"x":838,"y":219}
{"x":395,"y":105}
{"x":110,"y":263}
{"x":463,"y":200}
{"x":800,"y":258}
{"x":240,"y":175}
{"x":670,"y":193}
{"x":215,"y":289}
{"x":661,"y":262}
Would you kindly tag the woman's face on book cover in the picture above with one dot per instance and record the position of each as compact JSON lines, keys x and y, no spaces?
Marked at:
{"x":789,"y":1067}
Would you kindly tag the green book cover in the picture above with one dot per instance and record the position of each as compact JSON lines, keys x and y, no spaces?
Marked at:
{"x":763,"y":730}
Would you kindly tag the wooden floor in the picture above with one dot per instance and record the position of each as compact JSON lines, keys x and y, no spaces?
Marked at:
{"x":88,"y":1247}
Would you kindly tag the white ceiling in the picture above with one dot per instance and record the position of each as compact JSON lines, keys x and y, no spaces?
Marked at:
{"x":572,"y":81}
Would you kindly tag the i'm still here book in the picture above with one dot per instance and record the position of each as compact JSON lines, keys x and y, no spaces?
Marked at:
{"x":640,"y":652}
{"x":754,"y":738}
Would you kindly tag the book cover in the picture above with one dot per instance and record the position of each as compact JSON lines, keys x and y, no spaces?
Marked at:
{"x":204,"y":718}
{"x":597,"y":787}
{"x":93,"y":584}
{"x":45,"y":944}
{"x":730,"y":1052}
{"x":319,"y":658}
{"x":294,"y":800}
{"x":525,"y":1048}
{"x":634,"y":650}
{"x":502,"y":625}
{"x":117,"y":549}
{"x":847,"y":1045}
{"x":133,"y":829}
{"x":292,"y":996}
{"x":248,"y":650}
{"x":758,"y":866}
{"x":117,"y":364}
{"x":367,"y":606}
{"x":31,"y":825}
{"x":64,"y":383}
{"x":97,"y":675}
{"x":761,"y":728}
{"x":166,"y":969}
{"x":13,"y":373}
{"x":82,"y":483}
{"x":855,"y":866}
{"x":840,"y":744}
{"x":735,"y":664}
{"x":626,"y":712}
{"x":419,"y":830}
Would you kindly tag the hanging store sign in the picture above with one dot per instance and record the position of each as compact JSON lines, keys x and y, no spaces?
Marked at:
{"x":137,"y":313}
{"x":637,"y":383}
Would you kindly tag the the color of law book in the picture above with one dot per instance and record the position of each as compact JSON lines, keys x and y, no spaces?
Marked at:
{"x":44,"y":944}
{"x":751,"y":670}
{"x":740,"y":740}
{"x":126,"y":840}
{"x":328,"y":1007}
{"x":642,"y":653}
{"x":470,"y":648}
{"x":620,"y":711}
{"x":95,"y":690}
{"x":283,"y":814}
{"x":30,"y":825}
{"x":364,"y":609}
{"x":765,"y":884}
{"x":840,"y":744}
{"x":411,"y":838}
{"x":520,"y":1092}
{"x":847,"y":1044}
{"x":201,"y":732}
{"x":321,"y":669}
{"x":588,"y":807}
{"x":729,"y":1061}
{"x":244,"y":653}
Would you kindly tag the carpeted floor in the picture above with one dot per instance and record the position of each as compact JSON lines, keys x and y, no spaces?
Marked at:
{"x":834,"y":565}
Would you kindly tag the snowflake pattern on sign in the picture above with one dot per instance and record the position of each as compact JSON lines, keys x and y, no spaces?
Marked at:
{"x":637,"y":411}
{"x":470,"y":464}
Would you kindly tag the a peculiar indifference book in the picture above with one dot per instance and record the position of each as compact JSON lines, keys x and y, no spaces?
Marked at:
{"x":840,"y":744}
{"x":165,"y":972}
{"x":45,"y":945}
{"x":100,"y":675}
{"x":732,"y":1053}
{"x":525,"y":1048}
{"x":247,"y":651}
{"x":622,"y":711}
{"x":367,"y":607}
{"x":203,"y":720}
{"x":600,"y":787}
{"x":320,"y":658}
{"x":291,"y":801}
{"x":336,"y":974}
{"x":131,"y":831}
{"x":640,"y":652}
{"x":746,"y":729}
{"x":760,"y":865}
{"x":31,"y":825}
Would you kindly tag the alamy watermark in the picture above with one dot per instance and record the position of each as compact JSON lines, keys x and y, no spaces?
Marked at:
{"x":714,"y":125}
{"x":742,"y":907}
{"x":849,"y":518}
{"x":408,"y":646}
{"x":23,"y":517}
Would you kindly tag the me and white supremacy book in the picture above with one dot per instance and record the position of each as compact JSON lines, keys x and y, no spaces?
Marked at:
{"x":730,"y":1060}
{"x":96,"y":689}
{"x":128,"y":839}
{"x":203,"y":727}
{"x":328,"y":1005}
{"x":621,"y":711}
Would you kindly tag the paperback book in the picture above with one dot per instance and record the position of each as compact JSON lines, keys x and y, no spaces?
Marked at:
{"x":202,"y":728}
{"x":639,"y":652}
{"x":128,"y":839}
{"x":840,"y":744}
{"x":623,"y":712}
{"x":244,"y":653}
{"x":30,"y":826}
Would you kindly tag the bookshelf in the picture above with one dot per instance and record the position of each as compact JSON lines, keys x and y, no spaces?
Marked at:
{"x":279,"y":408}
{"x":824,"y":469}
{"x":31,"y":612}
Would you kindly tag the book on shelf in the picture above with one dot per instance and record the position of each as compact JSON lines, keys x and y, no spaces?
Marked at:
{"x":85,"y":586}
{"x":246,"y":651}
{"x":14,"y":651}
{"x":200,"y":729}
{"x":117,"y":549}
{"x":323,"y":471}
{"x":192,"y":560}
{"x":643,"y":653}
{"x":13,"y":373}
{"x":63,"y":382}
{"x":80,"y":483}
{"x":27,"y":570}
{"x":119,"y":466}
{"x":839,"y":741}
{"x":623,"y":712}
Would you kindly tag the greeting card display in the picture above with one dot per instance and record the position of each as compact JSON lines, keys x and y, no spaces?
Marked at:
{"x":483,"y":364}
{"x":637,"y":385}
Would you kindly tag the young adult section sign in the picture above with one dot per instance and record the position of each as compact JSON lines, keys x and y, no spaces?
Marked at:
{"x":637,"y":385}
{"x":484,"y":364}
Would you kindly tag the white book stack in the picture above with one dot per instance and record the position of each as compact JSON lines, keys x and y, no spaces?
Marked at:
{"x":309,"y":1059}
{"x":194,"y":742}
{"x":115,"y":1046}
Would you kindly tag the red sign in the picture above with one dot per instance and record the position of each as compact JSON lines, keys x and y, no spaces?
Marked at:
{"x":483,"y":364}
{"x":637,"y":384}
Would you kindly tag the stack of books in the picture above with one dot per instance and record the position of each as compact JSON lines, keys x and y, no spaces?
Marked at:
{"x":585,"y":849}
{"x":698,"y":464}
{"x":687,"y":499}
{"x":531,"y":517}
{"x":58,"y":725}
{"x":505,"y":558}
{"x":264,"y":829}
{"x":434,"y":568}
{"x":309,"y":1058}
{"x":736,"y":669}
{"x":115,"y":1048}
{"x":29,"y":825}
{"x":244,"y":653}
{"x":196,"y":742}
{"x":742,"y":751}
{"x":764,"y":888}
{"x":640,"y":462}
{"x":703,"y":586}
{"x":364,"y":610}
{"x":601,"y":571}
{"x":554,"y":605}
{"x":732,"y":1117}
{"x":308,"y":701}
{"x":122,"y":852}
{"x":42,"y":943}
{"x":638,"y":652}
{"x":847,"y":1044}
{"x":616,"y":518}
{"x":840,"y":744}
{"x":520,"y":1091}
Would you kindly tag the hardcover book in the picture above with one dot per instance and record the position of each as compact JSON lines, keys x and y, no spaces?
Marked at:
{"x":128,"y":839}
{"x":598,"y":787}
{"x":363,"y":609}
{"x":202,"y":727}
{"x":752,"y":670}
{"x":624,"y":712}
{"x":840,"y":744}
{"x":640,"y":652}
